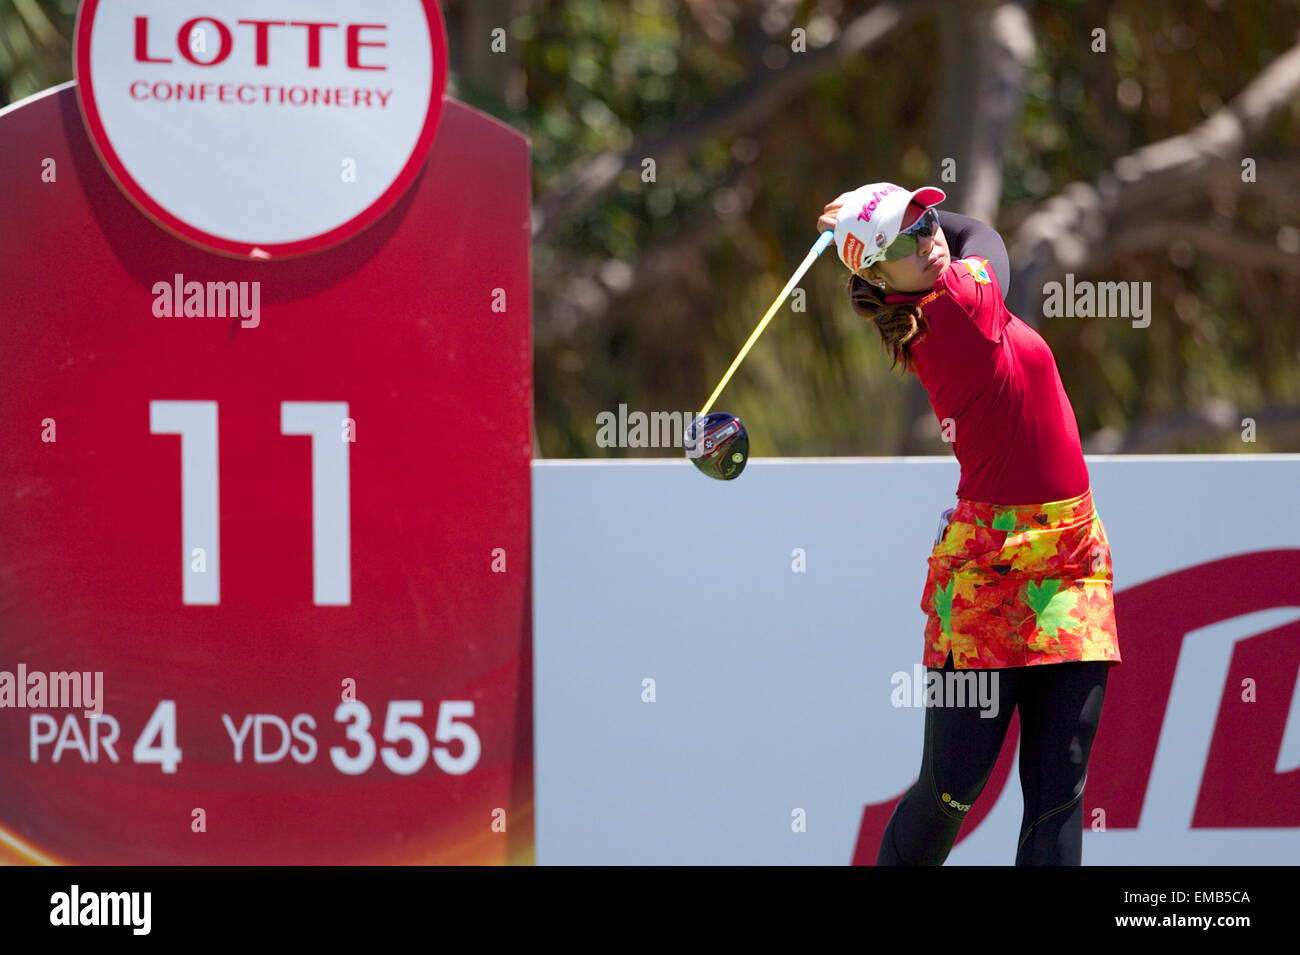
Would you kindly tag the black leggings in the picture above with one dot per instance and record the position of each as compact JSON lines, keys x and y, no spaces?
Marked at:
{"x":1060,"y":707}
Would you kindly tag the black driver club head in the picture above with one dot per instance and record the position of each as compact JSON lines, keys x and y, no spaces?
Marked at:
{"x":718,"y":444}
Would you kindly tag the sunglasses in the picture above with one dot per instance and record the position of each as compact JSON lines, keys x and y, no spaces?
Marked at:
{"x":909,"y":239}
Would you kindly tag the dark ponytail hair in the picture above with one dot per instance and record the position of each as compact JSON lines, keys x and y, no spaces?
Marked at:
{"x":899,"y":325}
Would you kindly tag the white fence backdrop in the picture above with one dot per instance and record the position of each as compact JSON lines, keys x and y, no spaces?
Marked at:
{"x":772,"y":686}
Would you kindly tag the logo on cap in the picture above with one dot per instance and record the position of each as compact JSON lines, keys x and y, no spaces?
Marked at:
{"x":853,"y":249}
{"x":870,"y":207}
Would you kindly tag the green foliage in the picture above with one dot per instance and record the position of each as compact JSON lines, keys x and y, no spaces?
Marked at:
{"x":35,"y":52}
{"x":645,"y":295}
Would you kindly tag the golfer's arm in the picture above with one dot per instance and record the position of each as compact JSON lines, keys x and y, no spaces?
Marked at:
{"x":967,"y":236}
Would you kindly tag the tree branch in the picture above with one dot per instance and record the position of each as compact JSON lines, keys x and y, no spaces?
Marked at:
{"x":1069,"y":229}
{"x":986,"y":47}
{"x":1215,"y":419}
{"x":592,"y":287}
{"x":1238,"y":249}
{"x":748,"y":105}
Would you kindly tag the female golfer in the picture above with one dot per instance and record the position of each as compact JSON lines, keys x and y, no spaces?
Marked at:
{"x":1019,"y":580}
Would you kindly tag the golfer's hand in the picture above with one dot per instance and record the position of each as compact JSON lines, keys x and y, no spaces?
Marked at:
{"x":831,"y":213}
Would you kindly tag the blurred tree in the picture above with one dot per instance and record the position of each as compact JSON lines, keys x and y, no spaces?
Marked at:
{"x":684,"y":148}
{"x":35,"y":52}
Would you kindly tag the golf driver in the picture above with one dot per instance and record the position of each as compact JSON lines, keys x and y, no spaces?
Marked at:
{"x":718,"y":442}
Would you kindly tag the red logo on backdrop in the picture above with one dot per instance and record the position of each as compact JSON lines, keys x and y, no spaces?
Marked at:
{"x":1240,"y":788}
{"x":297,"y":124}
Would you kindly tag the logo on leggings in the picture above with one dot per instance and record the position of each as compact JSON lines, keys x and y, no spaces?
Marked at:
{"x":964,"y":807}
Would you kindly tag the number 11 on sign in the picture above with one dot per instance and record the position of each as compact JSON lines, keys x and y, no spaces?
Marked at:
{"x":196,"y":423}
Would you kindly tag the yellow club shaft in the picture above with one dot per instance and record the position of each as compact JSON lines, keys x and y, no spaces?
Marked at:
{"x":826,"y":239}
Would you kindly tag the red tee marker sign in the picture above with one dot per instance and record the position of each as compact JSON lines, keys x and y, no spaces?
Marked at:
{"x":279,"y":508}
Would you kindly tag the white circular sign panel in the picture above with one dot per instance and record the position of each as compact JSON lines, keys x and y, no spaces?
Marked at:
{"x":262,"y":128}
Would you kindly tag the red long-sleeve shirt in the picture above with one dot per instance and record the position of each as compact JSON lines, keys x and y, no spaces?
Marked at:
{"x":1014,"y":431}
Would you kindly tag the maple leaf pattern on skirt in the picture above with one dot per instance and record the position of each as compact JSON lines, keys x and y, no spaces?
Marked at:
{"x":1020,"y":586}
